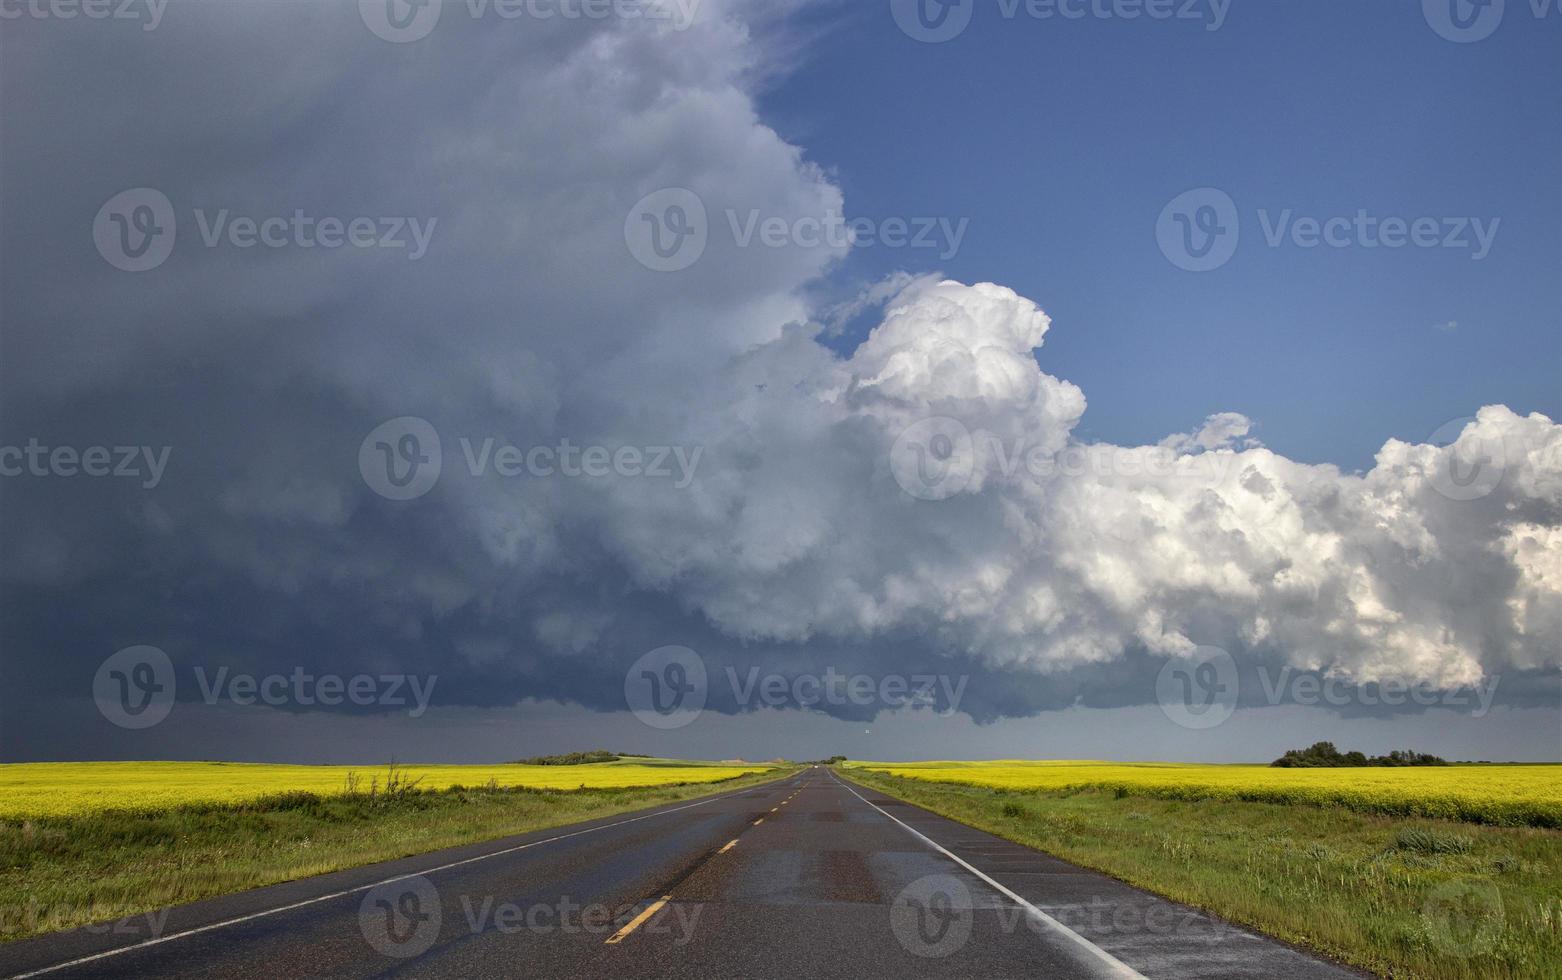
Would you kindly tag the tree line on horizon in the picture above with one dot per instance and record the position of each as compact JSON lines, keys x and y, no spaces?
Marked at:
{"x":1323,"y":755}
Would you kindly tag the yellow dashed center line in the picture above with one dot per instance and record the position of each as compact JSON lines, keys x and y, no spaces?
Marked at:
{"x":639,"y":920}
{"x":730,"y":845}
{"x":759,"y":821}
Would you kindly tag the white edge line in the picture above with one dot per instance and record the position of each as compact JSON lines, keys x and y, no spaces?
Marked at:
{"x":1117,"y":966}
{"x":361,"y":888}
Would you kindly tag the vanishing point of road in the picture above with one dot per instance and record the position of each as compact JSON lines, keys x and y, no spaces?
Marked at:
{"x":805,"y":877}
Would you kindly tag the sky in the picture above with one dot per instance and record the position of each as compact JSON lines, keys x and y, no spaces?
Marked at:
{"x":467,"y":381}
{"x":1061,"y":140}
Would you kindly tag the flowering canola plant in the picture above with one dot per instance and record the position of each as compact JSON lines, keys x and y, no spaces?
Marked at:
{"x":47,"y":789}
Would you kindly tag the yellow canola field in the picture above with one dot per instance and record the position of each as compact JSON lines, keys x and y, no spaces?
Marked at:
{"x":44,"y":789}
{"x":1523,"y":795}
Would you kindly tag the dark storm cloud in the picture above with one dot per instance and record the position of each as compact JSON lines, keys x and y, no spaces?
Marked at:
{"x":492,"y":166}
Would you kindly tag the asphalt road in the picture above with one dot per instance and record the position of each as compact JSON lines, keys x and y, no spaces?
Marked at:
{"x":806,"y":877}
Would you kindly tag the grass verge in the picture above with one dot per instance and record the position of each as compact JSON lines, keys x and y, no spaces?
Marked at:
{"x":1396,"y":896}
{"x":66,"y":871}
{"x":1508,"y":795}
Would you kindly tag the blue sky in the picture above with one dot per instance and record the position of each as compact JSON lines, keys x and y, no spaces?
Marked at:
{"x":1061,"y":141}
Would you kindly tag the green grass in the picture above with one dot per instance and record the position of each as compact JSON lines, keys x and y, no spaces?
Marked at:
{"x":1402,"y":897}
{"x":57,"y":872}
{"x":1504,"y":795}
